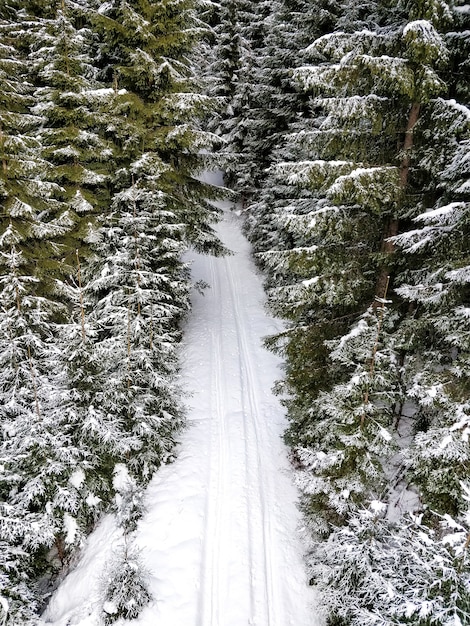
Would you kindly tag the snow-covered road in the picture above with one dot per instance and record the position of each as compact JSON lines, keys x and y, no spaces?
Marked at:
{"x":220,"y":537}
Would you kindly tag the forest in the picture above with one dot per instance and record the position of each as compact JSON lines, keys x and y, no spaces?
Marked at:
{"x":343,"y":128}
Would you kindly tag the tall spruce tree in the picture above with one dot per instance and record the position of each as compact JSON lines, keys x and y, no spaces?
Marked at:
{"x":74,"y":112}
{"x":99,"y":158}
{"x":362,"y":185}
{"x":369,"y":158}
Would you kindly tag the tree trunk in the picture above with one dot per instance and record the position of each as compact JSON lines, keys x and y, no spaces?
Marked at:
{"x":392,"y":225}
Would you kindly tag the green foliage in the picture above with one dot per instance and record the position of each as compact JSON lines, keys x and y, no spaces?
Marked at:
{"x":375,"y":572}
{"x":126,"y":592}
{"x":100,"y":148}
{"x":361,"y":226}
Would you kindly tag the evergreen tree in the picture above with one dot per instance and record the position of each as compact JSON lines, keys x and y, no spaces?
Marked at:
{"x":74,"y":118}
{"x":377,"y":572}
{"x":362,"y":185}
{"x":436,"y":335}
{"x":37,"y":455}
{"x":126,"y":591}
{"x":139,"y":293}
{"x":82,"y":392}
{"x":138,"y":281}
{"x":356,"y":377}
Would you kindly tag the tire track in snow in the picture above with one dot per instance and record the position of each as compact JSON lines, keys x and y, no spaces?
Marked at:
{"x":214,"y":546}
{"x":249,"y":383}
{"x":249,"y":515}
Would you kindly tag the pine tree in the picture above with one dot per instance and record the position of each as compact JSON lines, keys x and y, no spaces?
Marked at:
{"x":361,"y":186}
{"x":436,"y":335}
{"x":383,"y":146}
{"x":126,"y":589}
{"x":74,"y":115}
{"x":378,"y":572}
{"x":139,"y":293}
{"x":38,"y":456}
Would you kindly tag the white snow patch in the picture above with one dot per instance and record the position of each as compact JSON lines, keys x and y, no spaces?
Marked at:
{"x":445,"y":442}
{"x":110,"y":608}
{"x":121,"y":477}
{"x":311,"y":281}
{"x":77,"y":478}
{"x":92,"y":500}
{"x":70,"y":527}
{"x":378,"y":507}
{"x":5,"y":606}
{"x":385,"y":434}
{"x":440,"y":212}
{"x":77,"y":600}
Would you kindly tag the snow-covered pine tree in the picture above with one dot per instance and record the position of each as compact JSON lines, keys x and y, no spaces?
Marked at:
{"x":74,"y":115}
{"x":158,"y":107}
{"x":383,"y":85}
{"x":342,"y":452}
{"x":360,"y":176}
{"x":436,"y":335}
{"x":138,"y":281}
{"x":139,"y":291}
{"x":72,"y":175}
{"x":458,"y":41}
{"x":23,"y":194}
{"x":38,"y":456}
{"x":375,"y":571}
{"x":126,"y":590}
{"x":22,"y":533}
{"x":75,"y":110}
{"x":231,"y":52}
{"x":224,"y":65}
{"x":250,"y":75}
{"x":292,"y":25}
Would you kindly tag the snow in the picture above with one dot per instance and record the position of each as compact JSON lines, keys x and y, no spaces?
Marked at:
{"x":311,"y":281}
{"x":4,"y":604}
{"x":77,"y":478}
{"x":71,"y":527}
{"x":385,"y":434}
{"x":221,"y":535}
{"x":461,"y":108}
{"x":378,"y":507}
{"x":440,"y":212}
{"x":121,"y":477}
{"x":422,"y":28}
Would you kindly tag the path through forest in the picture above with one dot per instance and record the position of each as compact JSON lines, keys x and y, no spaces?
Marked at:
{"x":220,"y":537}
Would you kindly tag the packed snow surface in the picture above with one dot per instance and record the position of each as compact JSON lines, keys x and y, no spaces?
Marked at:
{"x":221,"y":533}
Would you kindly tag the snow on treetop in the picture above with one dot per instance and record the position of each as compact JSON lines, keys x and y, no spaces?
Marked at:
{"x":70,"y":527}
{"x":187,"y":101}
{"x":121,"y":478}
{"x":358,"y":329}
{"x":378,"y":507}
{"x":421,"y":27}
{"x":460,"y":275}
{"x":310,"y":281}
{"x":424,"y":41}
{"x":303,"y":171}
{"x":464,"y":188}
{"x":350,"y":106}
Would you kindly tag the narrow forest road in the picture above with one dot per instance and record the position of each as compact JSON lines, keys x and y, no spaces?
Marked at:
{"x":220,"y":537}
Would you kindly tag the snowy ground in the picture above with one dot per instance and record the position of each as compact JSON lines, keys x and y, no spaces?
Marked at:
{"x":220,"y":537}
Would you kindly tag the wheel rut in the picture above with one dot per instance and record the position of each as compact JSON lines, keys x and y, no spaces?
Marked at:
{"x":257,"y":474}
